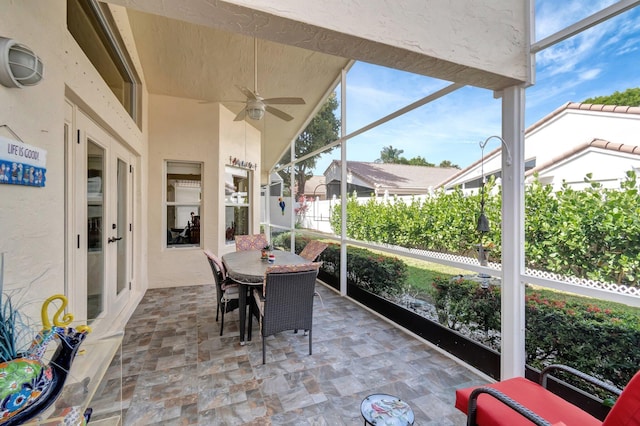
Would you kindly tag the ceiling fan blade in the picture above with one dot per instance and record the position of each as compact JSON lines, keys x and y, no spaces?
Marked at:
{"x":241,"y":115}
{"x":280,"y":114}
{"x":248,"y":93}
{"x":224,"y":101}
{"x":284,"y":101}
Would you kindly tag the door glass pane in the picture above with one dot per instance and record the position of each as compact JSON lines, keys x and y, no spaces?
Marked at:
{"x":121,"y":226}
{"x":95,"y":218}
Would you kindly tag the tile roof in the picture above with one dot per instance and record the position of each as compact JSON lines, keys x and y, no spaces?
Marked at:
{"x":584,"y":107}
{"x":315,"y":184}
{"x":595,"y":143}
{"x":399,"y":178}
{"x":567,"y":106}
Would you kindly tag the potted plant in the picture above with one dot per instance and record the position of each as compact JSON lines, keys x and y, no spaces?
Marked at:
{"x":266,"y":250}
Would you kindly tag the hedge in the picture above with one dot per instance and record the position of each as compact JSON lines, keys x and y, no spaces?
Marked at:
{"x":380,"y":274}
{"x":592,"y":233}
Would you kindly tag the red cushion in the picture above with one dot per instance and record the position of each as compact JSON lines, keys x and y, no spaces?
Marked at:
{"x":626,"y":410}
{"x":533,"y":396}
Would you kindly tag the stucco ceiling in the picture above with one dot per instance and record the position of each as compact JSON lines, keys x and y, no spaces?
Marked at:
{"x":186,"y":60}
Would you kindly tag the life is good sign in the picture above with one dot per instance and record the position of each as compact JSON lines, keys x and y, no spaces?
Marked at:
{"x":22,"y":164}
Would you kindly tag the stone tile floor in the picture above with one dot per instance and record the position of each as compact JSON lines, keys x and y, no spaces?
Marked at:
{"x":175,"y":369}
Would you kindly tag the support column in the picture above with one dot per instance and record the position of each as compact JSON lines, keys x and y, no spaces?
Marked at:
{"x":343,"y":184}
{"x":512,"y":359}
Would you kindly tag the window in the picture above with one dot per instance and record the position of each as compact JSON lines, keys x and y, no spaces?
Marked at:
{"x":237,"y":201}
{"x":90,"y":24}
{"x":183,"y":203}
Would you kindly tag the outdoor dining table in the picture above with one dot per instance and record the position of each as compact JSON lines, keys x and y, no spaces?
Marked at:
{"x":248,"y":270}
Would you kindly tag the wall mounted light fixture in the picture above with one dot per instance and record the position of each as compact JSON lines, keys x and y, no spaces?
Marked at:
{"x":19,"y":66}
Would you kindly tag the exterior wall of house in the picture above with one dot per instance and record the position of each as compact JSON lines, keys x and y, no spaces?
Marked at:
{"x":573,"y":127}
{"x":32,"y":220}
{"x":607,"y":167}
{"x":238,"y":139}
{"x":185,"y":130}
{"x":561,"y":134}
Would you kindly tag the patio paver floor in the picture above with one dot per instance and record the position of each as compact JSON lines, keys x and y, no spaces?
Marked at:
{"x":177,"y":370}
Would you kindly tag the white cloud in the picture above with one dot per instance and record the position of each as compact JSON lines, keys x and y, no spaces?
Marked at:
{"x":590,"y":74}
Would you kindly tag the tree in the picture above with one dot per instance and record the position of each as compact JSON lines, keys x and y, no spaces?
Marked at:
{"x":447,"y":163}
{"x":630,"y":97}
{"x":390,"y":155}
{"x":322,"y":130}
{"x":418,"y":161}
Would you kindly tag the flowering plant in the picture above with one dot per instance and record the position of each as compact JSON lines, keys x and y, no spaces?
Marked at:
{"x":303,"y":207}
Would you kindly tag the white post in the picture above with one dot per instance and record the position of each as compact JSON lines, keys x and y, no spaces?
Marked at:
{"x":343,"y":184}
{"x":513,"y":292}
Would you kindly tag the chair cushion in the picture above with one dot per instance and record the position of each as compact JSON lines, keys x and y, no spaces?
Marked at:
{"x":626,"y":410}
{"x":313,"y":249}
{"x":250,"y":242}
{"x":259,"y":299}
{"x":283,"y":269}
{"x":531,"y":395}
{"x":218,"y":263}
{"x":230,"y":289}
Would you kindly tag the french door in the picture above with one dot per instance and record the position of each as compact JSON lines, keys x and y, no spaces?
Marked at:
{"x":102,"y":177}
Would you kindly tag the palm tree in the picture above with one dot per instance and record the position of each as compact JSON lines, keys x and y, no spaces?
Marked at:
{"x":389,"y":155}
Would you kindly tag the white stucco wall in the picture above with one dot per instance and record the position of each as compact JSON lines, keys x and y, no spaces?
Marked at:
{"x":187,"y":130}
{"x":577,"y":126}
{"x":32,"y":220}
{"x":606,"y":167}
{"x":561,"y":134}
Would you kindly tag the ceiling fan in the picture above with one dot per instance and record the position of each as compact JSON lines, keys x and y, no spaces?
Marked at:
{"x":256,"y":105}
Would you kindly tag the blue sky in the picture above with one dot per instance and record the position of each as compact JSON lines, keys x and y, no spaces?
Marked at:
{"x":597,"y":62}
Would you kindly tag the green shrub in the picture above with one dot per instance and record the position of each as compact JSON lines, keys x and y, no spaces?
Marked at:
{"x":377,"y":273}
{"x":592,"y":233}
{"x":460,"y":302}
{"x":601,"y":342}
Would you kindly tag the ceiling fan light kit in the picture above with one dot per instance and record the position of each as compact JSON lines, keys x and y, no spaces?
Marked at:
{"x":255,"y":110}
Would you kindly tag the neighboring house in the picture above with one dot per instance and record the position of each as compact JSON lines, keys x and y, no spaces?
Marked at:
{"x":381,"y":179}
{"x":573,"y":141}
{"x":315,"y":187}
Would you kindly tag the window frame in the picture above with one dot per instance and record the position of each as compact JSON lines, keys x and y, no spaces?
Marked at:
{"x":228,"y":199}
{"x":192,"y":206}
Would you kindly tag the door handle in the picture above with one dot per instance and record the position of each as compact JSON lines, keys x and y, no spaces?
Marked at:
{"x":113,"y":239}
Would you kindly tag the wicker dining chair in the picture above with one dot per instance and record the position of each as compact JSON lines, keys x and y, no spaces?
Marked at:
{"x":251,"y":242}
{"x":312,"y":250}
{"x":285,"y":301}
{"x":226,"y":290}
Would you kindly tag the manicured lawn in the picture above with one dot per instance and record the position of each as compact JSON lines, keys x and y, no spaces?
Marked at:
{"x":421,"y":273}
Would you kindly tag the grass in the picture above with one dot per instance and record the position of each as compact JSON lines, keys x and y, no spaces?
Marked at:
{"x":421,"y":274}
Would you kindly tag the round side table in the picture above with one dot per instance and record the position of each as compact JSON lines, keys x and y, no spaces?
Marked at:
{"x":383,"y":409}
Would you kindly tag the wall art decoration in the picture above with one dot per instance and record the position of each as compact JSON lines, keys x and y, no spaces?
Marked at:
{"x":22,"y":164}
